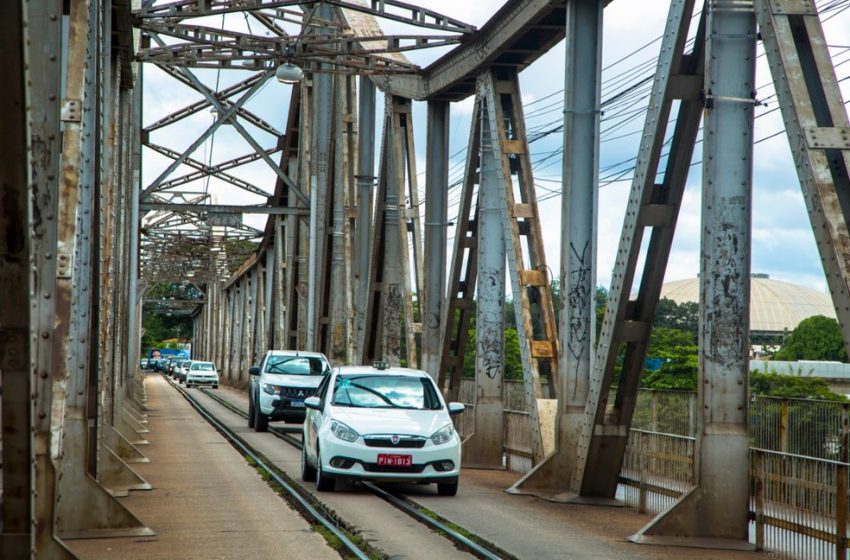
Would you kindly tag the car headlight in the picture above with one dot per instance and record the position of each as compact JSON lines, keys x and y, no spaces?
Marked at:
{"x":269,"y":389}
{"x":343,"y":432}
{"x":443,"y":435}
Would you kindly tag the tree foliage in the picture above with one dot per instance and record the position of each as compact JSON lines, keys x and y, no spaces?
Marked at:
{"x":815,"y":338}
{"x":791,"y":386}
{"x":678,"y":353}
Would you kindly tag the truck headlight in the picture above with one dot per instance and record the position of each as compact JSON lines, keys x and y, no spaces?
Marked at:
{"x":443,"y":435}
{"x":343,"y":432}
{"x":269,"y":389}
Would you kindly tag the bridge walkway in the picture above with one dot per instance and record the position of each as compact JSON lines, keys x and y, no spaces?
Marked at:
{"x":207,"y":502}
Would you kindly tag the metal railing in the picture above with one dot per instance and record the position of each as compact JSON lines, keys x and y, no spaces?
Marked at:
{"x":800,"y":460}
{"x":798,"y":505}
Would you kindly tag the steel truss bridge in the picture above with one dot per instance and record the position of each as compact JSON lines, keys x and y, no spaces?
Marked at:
{"x":348,"y":262}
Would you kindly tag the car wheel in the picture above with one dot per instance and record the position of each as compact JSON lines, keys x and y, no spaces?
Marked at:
{"x":447,"y":488}
{"x":323,"y":483}
{"x":215,"y":386}
{"x":261,"y":421}
{"x":250,"y":411}
{"x":308,"y":471}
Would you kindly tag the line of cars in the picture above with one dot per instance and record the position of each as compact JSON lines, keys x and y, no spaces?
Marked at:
{"x":374,"y":423}
{"x":192,"y":373}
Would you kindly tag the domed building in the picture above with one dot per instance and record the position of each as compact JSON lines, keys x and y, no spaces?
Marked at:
{"x":775,"y":306}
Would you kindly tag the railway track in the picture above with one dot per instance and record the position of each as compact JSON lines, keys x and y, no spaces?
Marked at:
{"x":313,"y":509}
{"x":476,"y":546}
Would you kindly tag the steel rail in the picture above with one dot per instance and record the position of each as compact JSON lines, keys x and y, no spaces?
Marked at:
{"x":251,"y":453}
{"x":485,"y":550}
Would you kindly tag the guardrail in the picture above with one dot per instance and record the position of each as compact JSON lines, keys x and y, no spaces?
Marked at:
{"x":800,"y":464}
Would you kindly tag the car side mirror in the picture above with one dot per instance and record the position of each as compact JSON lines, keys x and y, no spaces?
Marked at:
{"x":456,"y":408}
{"x":254,"y":371}
{"x":313,"y":402}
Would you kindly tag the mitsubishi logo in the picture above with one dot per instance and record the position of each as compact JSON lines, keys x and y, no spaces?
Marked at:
{"x":300,"y":393}
{"x":394,"y":438}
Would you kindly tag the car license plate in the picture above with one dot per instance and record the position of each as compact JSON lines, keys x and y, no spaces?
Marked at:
{"x":390,"y":460}
{"x":297,"y":404}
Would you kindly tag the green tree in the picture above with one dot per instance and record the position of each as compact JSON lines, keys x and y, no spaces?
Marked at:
{"x":678,"y":353}
{"x":791,"y":386}
{"x":681,"y":316}
{"x":815,"y":338}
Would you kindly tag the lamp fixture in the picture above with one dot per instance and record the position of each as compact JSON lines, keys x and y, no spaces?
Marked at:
{"x":288,"y":73}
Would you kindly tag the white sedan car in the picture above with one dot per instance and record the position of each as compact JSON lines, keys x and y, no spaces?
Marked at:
{"x":380,"y":424}
{"x":202,"y":374}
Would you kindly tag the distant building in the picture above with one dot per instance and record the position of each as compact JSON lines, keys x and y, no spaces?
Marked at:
{"x":776,"y":307}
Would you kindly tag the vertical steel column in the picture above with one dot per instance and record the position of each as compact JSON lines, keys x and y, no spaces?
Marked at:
{"x":321,"y":124}
{"x":365,"y":188}
{"x":652,"y":211}
{"x":84,"y":507}
{"x":19,"y":323}
{"x":269,"y":297}
{"x":338,"y":277}
{"x":436,"y":224}
{"x":464,"y":270}
{"x":485,"y":447}
{"x":389,"y":325}
{"x":535,"y":317}
{"x":579,"y":202}
{"x":278,"y":316}
{"x":716,"y":510}
{"x":134,"y":185}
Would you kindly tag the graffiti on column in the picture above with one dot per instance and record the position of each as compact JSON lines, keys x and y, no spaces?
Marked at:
{"x":578,"y":300}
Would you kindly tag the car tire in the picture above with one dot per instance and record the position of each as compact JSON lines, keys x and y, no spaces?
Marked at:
{"x":261,"y":421}
{"x":323,"y":483}
{"x":215,"y":386}
{"x":447,"y":488}
{"x":250,"y":411}
{"x":308,"y":471}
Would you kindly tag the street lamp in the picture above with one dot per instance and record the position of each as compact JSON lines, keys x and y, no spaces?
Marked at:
{"x":288,"y":73}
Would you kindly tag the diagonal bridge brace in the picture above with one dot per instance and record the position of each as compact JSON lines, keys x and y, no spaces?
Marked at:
{"x":224,"y":115}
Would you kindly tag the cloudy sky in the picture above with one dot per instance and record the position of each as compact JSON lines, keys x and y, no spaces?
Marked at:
{"x":783,"y":244}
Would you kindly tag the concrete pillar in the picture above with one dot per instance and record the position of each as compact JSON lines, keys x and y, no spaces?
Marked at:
{"x":436,"y":223}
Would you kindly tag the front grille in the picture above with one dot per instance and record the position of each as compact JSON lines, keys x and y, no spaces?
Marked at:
{"x":374,"y":467}
{"x":404,"y":442}
{"x":297,"y":392}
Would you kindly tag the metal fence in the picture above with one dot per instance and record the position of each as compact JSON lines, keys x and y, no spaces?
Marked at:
{"x":799,"y":463}
{"x":799,"y":505}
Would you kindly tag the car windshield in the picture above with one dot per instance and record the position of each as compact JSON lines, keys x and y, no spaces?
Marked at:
{"x":295,"y":365}
{"x":385,"y":391}
{"x":203,"y":367}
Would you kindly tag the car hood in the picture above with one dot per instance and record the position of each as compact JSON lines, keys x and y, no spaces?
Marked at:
{"x":311,"y":381}
{"x":392,"y":420}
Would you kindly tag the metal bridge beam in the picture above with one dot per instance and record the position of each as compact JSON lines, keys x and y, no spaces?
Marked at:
{"x":579,"y":216}
{"x":389,"y":315}
{"x":484,"y":448}
{"x":18,"y":244}
{"x":365,"y":202}
{"x":436,"y":224}
{"x":652,"y":210}
{"x":715,"y":513}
